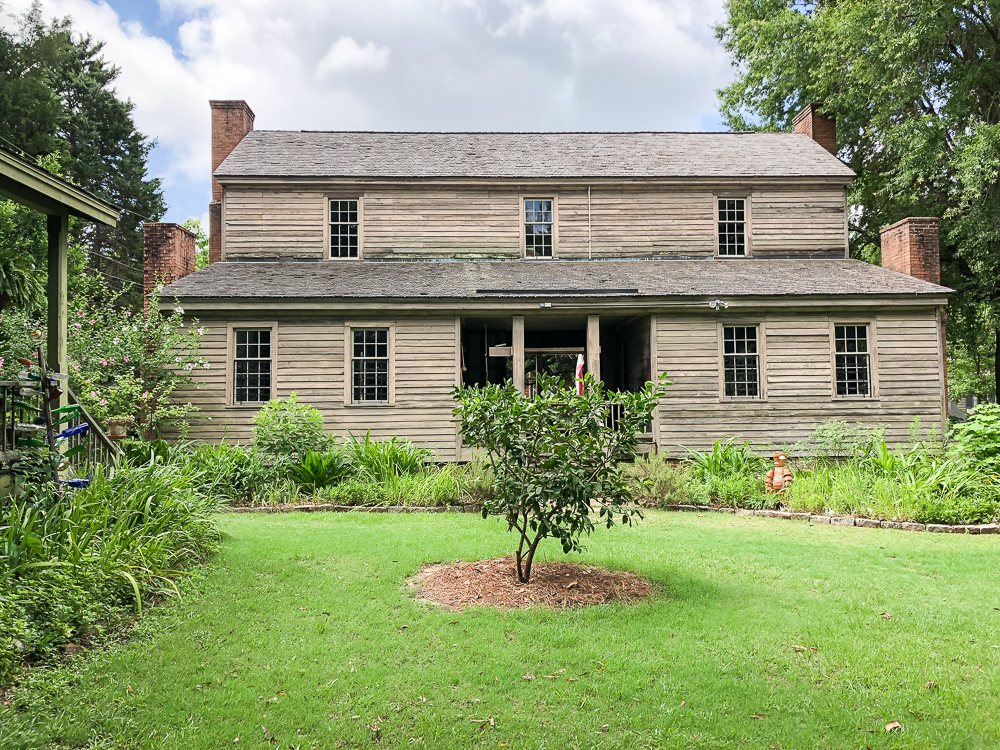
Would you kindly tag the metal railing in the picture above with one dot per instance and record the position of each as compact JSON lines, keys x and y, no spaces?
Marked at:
{"x":615,"y":413}
{"x":18,"y":414}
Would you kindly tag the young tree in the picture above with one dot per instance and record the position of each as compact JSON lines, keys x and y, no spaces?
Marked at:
{"x":915,"y":89}
{"x":555,"y":456}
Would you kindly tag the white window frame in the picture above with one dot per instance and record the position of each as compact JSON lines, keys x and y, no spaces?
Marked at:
{"x":747,"y":224}
{"x":349,"y":328}
{"x":327,"y":234}
{"x":873,"y":381}
{"x":555,"y":225}
{"x":761,"y":329}
{"x":231,"y":329}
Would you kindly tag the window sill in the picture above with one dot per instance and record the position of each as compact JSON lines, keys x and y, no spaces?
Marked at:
{"x":733,"y":257}
{"x":255,"y":405}
{"x":742,"y":399}
{"x":369,"y":405}
{"x":539,"y":257}
{"x":855,"y":398}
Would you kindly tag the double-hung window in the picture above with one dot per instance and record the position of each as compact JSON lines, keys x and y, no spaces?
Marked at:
{"x":732,"y":227}
{"x":740,"y":362}
{"x":853,"y":360}
{"x":252,"y":366}
{"x":343,"y":228}
{"x":538,"y":227}
{"x":370,"y":365}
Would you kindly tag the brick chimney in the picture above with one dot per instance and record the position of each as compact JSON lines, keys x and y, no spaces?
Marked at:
{"x":231,"y":121}
{"x":821,"y":129}
{"x":911,"y":246}
{"x":168,"y":254}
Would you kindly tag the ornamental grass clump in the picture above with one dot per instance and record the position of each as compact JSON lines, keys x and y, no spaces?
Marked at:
{"x":556,"y":455}
{"x":384,"y":460}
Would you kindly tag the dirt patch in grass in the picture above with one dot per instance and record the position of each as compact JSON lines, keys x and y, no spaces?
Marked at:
{"x":494,"y":583}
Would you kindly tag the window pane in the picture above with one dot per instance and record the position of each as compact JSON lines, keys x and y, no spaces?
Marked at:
{"x":538,"y":227}
{"x":740,"y":363}
{"x":732,"y":226}
{"x":252,"y":366}
{"x":853,"y":364}
{"x":370,"y":365}
{"x":344,"y":229}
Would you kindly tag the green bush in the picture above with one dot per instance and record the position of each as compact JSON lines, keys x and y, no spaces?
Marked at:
{"x":657,"y":482}
{"x":383,"y":460}
{"x":288,"y":428}
{"x":67,"y":564}
{"x":978,"y":438}
{"x":353,"y":492}
{"x":725,"y":459}
{"x":233,"y":473}
{"x":317,"y":470}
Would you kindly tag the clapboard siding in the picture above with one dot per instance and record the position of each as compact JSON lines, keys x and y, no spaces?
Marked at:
{"x":310,"y":363}
{"x":798,"y":223}
{"x":799,"y":378}
{"x":426,"y":221}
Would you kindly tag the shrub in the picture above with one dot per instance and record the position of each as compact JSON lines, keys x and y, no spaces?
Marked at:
{"x":979,"y":437}
{"x":837,"y":439}
{"x":554,"y":455}
{"x":317,"y":470}
{"x":656,"y":482}
{"x":386,"y":459}
{"x":725,"y":459}
{"x":354,"y":492}
{"x":229,"y":472}
{"x":286,"y":428}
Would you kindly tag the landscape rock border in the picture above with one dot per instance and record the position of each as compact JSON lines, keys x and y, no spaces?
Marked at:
{"x":869,"y":523}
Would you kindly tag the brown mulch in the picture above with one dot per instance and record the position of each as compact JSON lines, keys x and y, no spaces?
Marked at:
{"x":493,"y":583}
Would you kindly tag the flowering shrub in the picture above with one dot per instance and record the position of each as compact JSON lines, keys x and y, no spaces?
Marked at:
{"x":121,"y":363}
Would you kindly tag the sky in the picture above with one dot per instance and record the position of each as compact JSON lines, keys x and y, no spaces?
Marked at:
{"x":443,"y":65}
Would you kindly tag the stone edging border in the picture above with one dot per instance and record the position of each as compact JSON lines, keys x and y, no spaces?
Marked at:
{"x":869,"y":523}
{"x":310,"y":508}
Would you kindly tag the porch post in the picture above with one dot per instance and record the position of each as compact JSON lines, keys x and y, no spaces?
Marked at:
{"x":517,"y":332}
{"x":594,"y":346}
{"x":58,"y":231}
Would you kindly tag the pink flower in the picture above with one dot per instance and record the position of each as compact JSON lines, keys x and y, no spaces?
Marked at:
{"x":78,"y":325}
{"x":116,"y":340}
{"x":111,"y":361}
{"x":104,"y":402}
{"x":1,"y":361}
{"x":207,"y":366}
{"x":145,"y":394}
{"x":93,"y":394}
{"x":75,"y":366}
{"x":126,"y":358}
{"x":80,"y":314}
{"x":104,"y":362}
{"x":93,"y":322}
{"x":128,"y":313}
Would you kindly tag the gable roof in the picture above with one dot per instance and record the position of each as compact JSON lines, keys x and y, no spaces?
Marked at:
{"x":279,"y":153}
{"x":422,"y":280}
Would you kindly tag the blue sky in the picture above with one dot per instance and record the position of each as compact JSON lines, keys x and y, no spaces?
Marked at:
{"x":401,"y":65}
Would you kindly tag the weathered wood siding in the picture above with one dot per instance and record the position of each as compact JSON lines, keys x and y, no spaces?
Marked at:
{"x":429,"y":221}
{"x":310,"y":362}
{"x":799,"y":379}
{"x":798,"y":374}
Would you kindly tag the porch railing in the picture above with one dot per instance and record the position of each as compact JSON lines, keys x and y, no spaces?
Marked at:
{"x":18,"y":413}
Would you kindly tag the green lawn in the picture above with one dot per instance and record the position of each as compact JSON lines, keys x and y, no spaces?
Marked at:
{"x":304,"y":625}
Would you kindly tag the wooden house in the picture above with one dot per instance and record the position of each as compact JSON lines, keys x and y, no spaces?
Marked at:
{"x":371,"y":272}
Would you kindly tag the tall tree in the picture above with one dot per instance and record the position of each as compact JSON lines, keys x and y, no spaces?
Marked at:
{"x":57,"y":98}
{"x":915,"y":88}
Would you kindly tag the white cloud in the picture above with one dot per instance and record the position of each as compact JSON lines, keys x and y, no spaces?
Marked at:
{"x":456,"y":65}
{"x":346,"y":54}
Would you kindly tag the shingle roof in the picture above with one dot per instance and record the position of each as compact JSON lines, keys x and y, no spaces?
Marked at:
{"x":491,"y":279}
{"x":276,"y":153}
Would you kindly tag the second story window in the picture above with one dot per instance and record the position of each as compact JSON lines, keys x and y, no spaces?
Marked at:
{"x":252,"y":366}
{"x":537,"y":228}
{"x":741,"y":362}
{"x":853,"y":367}
{"x":732,"y":226}
{"x":343,"y":228}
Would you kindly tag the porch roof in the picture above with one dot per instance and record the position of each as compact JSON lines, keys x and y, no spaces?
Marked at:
{"x":443,"y":279}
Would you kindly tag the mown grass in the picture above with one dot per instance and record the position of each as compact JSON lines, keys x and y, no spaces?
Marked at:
{"x":304,"y":626}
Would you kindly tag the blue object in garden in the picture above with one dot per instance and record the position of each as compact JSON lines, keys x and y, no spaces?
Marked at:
{"x":76,"y":484}
{"x":80,"y":429}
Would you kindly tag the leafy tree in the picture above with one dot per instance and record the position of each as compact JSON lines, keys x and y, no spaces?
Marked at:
{"x":287,"y":428}
{"x":915,"y":88}
{"x":555,"y":455}
{"x":56,"y":98}
{"x":200,"y":243}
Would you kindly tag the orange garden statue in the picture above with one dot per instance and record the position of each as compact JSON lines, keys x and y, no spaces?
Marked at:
{"x":780,"y":477}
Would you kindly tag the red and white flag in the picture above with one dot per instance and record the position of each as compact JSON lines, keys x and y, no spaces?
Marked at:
{"x":579,"y":374}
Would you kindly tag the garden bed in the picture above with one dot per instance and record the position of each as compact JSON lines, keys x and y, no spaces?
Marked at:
{"x":493,"y":583}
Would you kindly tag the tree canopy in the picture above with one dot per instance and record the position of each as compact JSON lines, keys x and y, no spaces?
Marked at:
{"x":57,"y":100}
{"x":914,"y":86}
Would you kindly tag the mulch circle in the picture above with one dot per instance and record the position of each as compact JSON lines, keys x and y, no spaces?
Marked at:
{"x":493,"y":583}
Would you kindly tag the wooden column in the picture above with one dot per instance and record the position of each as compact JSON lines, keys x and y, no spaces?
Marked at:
{"x":654,"y":374}
{"x":518,"y":345}
{"x":594,"y":346}
{"x":57,"y":355}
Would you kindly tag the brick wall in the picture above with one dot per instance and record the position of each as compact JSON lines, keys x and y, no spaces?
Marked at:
{"x":912,"y":246}
{"x":168,"y":254}
{"x":821,"y":129}
{"x":231,"y":121}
